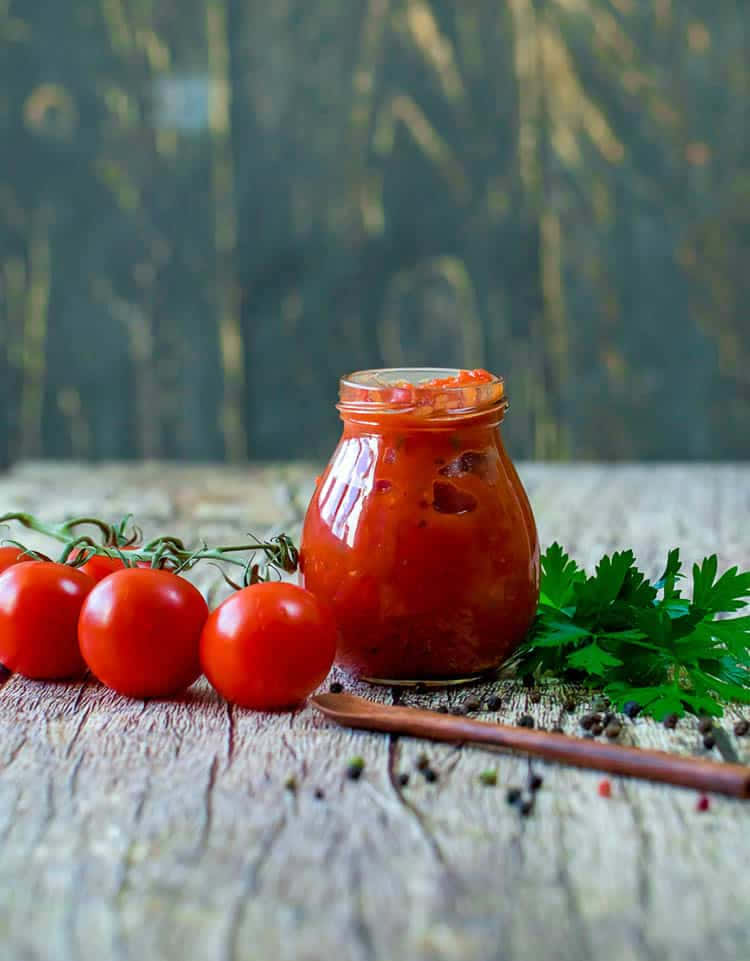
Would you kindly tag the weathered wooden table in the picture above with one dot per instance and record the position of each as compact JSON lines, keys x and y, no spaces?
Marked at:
{"x":164,"y":830}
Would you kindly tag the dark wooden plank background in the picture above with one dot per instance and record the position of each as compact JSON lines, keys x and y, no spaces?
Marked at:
{"x":209,"y":209}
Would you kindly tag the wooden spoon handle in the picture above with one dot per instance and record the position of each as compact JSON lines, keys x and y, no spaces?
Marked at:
{"x":732,"y":779}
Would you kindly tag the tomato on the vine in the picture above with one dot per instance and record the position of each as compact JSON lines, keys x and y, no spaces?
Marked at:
{"x":268,"y":646}
{"x":140,"y":631}
{"x":39,"y":607}
{"x":100,"y":565}
{"x":12,"y":555}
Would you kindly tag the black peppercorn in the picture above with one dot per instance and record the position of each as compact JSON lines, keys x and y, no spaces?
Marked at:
{"x":430,"y":775}
{"x":473,"y":704}
{"x":631,"y":708}
{"x":705,"y":724}
{"x":596,"y":728}
{"x":608,"y":718}
{"x":586,"y":721}
{"x":709,"y":741}
{"x":741,"y":728}
{"x":535,"y":782}
{"x":423,"y":762}
{"x":570,"y":705}
{"x":612,"y":730}
{"x":670,"y":721}
{"x":535,"y":697}
{"x":513,"y":795}
{"x":403,"y":779}
{"x":336,"y":687}
{"x":527,"y":806}
{"x":494,"y":703}
{"x":319,"y":795}
{"x":525,"y":720}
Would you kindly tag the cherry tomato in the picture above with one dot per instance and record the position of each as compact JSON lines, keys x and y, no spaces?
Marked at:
{"x":12,"y":555}
{"x":268,"y":646}
{"x":140,"y":631}
{"x":39,"y":608}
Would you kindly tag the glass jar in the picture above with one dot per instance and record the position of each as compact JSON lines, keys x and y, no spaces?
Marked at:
{"x":419,"y":534}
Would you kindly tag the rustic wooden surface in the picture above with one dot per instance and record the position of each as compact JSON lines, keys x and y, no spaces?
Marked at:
{"x":164,"y":830}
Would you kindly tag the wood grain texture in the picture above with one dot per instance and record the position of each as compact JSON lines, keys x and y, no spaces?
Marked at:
{"x":164,"y":829}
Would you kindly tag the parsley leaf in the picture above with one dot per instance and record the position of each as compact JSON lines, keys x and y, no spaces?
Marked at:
{"x":644,"y":642}
{"x":559,"y":576}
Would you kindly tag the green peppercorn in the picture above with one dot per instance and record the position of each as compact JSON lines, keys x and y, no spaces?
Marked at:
{"x":488,"y":778}
{"x":354,"y":768}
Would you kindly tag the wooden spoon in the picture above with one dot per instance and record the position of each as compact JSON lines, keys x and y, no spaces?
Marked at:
{"x":352,"y":711}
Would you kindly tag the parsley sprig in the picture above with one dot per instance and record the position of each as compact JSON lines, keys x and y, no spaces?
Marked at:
{"x":641,"y":641}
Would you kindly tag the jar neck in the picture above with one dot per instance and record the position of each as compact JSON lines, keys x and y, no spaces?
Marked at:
{"x":379,"y":422}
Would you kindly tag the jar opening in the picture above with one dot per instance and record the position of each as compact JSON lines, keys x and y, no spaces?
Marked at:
{"x":424,"y":394}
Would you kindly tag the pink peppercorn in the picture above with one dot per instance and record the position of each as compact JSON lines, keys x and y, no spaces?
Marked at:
{"x":605,"y":788}
{"x":703,"y":803}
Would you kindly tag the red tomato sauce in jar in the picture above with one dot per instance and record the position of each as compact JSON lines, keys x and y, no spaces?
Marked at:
{"x":419,"y":534}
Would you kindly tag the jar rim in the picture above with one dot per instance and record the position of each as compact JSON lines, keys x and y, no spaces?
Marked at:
{"x":421,"y":393}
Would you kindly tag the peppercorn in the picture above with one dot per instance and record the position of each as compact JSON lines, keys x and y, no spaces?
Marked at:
{"x":473,"y":704}
{"x":612,"y":730}
{"x":459,"y":710}
{"x":513,"y":795}
{"x":596,"y":728}
{"x":608,"y":718}
{"x":741,"y":728}
{"x":632,"y":709}
{"x":703,"y":803}
{"x":535,"y":782}
{"x":403,"y":779}
{"x":423,"y":762}
{"x":535,"y":697}
{"x":570,"y":705}
{"x":336,"y":687}
{"x":527,"y":806}
{"x":488,"y":778}
{"x":429,"y":775}
{"x":586,"y":721}
{"x":705,"y":724}
{"x":494,"y":702}
{"x":670,"y":721}
{"x":709,"y":741}
{"x":354,"y":768}
{"x":605,"y":788}
{"x":525,"y":720}
{"x":291,"y":783}
{"x":319,"y":795}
